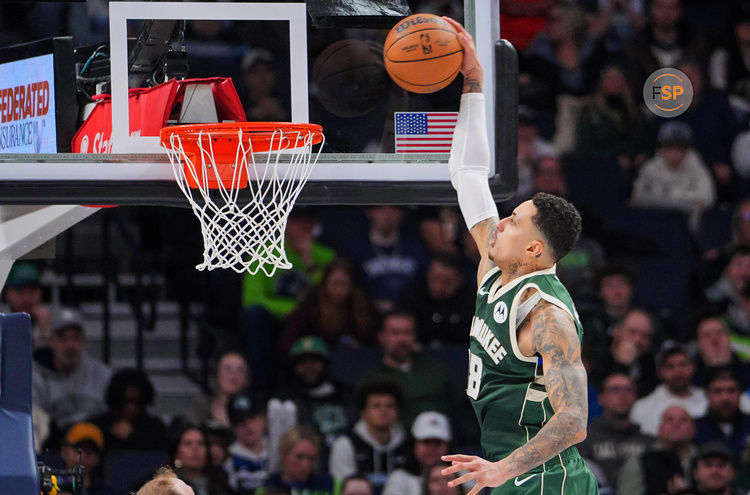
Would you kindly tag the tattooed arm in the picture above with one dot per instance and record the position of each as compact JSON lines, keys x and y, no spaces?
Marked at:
{"x":554,"y":337}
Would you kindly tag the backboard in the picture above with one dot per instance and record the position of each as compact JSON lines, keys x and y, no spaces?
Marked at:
{"x":316,"y":62}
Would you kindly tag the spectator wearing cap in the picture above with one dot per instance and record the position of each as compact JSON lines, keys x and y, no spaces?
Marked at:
{"x":69,"y":384}
{"x":675,"y":371}
{"x":724,"y":422}
{"x":88,"y":440}
{"x":432,"y":436}
{"x":22,"y":293}
{"x":676,"y":178}
{"x":666,"y":463}
{"x":336,"y":310}
{"x":298,"y":453}
{"x":377,"y":444}
{"x":612,"y":438}
{"x":713,"y":471}
{"x":247,"y":463}
{"x":127,"y":424}
{"x":424,"y":382}
{"x":321,"y":402}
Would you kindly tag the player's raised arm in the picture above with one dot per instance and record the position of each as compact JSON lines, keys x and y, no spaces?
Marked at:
{"x":469,"y":163}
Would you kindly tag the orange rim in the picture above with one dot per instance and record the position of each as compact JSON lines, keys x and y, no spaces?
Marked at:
{"x":261,"y":134}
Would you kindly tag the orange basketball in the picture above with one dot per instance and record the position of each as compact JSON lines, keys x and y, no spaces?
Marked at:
{"x":422,"y":53}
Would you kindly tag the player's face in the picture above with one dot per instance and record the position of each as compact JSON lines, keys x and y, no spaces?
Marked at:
{"x":514,"y":235}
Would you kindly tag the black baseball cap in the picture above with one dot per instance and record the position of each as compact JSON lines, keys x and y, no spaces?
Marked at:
{"x":244,"y":406}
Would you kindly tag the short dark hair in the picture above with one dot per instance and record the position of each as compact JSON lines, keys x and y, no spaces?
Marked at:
{"x":723,"y":373}
{"x":667,"y":352}
{"x":558,"y":221}
{"x":378,"y":388}
{"x":397,"y":312}
{"x":448,"y":260}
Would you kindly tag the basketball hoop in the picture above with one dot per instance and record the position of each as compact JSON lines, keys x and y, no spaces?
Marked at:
{"x":213,"y":162}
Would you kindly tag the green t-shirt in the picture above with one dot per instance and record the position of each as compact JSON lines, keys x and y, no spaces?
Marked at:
{"x":280,"y":293}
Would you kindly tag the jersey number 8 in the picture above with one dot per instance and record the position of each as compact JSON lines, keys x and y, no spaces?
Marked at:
{"x":475,"y":375}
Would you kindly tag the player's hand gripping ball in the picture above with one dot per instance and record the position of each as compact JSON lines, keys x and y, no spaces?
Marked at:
{"x":422,"y":53}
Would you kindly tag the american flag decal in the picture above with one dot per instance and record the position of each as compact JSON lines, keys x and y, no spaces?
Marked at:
{"x":425,"y":132}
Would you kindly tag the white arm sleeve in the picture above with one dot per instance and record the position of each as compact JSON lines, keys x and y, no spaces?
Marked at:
{"x":469,"y":163}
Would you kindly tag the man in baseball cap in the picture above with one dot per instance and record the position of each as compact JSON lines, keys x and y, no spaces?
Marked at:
{"x":713,"y":472}
{"x":22,"y":293}
{"x":68,"y":383}
{"x":432,"y":435}
{"x":88,"y":440}
{"x":321,"y":402}
{"x":247,"y":464}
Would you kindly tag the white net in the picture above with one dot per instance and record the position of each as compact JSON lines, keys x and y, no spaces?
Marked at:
{"x":246,"y":236}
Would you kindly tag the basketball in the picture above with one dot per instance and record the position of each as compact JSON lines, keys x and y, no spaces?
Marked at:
{"x":348,"y":78}
{"x":422,"y":53}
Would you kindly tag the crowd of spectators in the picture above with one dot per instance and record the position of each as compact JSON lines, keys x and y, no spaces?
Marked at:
{"x":338,"y":375}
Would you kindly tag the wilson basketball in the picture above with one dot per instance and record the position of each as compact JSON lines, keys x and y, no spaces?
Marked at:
{"x":348,"y":77}
{"x":422,"y":53}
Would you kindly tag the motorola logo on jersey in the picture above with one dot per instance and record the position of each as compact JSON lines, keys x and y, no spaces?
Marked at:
{"x":501,"y":312}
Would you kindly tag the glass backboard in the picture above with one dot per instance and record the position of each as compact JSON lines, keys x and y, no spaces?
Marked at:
{"x":319,"y":62}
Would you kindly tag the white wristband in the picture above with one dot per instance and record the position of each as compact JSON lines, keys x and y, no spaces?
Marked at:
{"x":469,"y":163}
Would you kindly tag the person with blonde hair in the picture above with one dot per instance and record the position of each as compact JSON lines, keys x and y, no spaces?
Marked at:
{"x":298,"y":455}
{"x":165,"y":482}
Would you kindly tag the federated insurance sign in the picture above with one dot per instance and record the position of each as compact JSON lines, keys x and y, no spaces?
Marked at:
{"x":27,"y":106}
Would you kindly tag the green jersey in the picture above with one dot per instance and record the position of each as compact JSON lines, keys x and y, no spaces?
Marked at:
{"x":507,"y":388}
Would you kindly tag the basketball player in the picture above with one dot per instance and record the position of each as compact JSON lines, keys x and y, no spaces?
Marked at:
{"x":526,"y":380}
